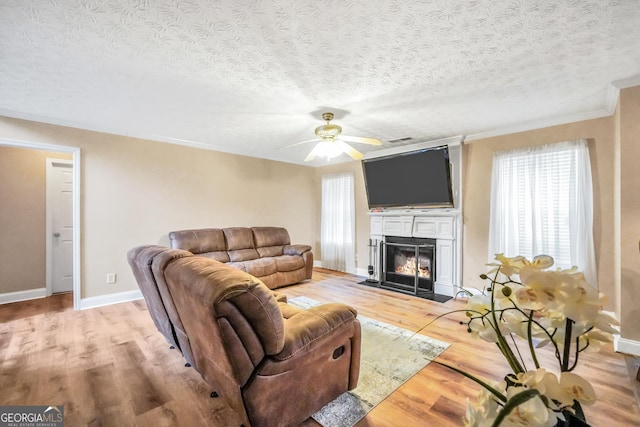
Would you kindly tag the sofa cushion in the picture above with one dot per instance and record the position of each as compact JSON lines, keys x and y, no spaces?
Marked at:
{"x":288,"y":277}
{"x":243,"y":255}
{"x":256,"y":303}
{"x":307,"y":326}
{"x":198,"y":241}
{"x":240,"y":245}
{"x":238,"y":238}
{"x":288,"y":311}
{"x":272,"y":280}
{"x":270,"y":236}
{"x":260,"y":267}
{"x":269,"y":251}
{"x":220,"y":256}
{"x":288,"y":262}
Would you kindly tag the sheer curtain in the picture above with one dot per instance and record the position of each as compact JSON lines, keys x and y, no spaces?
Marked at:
{"x":338,"y":223}
{"x":542,"y":203}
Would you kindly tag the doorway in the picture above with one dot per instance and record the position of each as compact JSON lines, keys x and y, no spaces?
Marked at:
{"x":72,"y":268}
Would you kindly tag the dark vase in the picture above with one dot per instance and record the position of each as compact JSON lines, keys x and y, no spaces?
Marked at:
{"x":572,"y":421}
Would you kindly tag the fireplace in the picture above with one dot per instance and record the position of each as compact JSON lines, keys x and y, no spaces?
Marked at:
{"x":444,"y":228}
{"x":408,"y":264}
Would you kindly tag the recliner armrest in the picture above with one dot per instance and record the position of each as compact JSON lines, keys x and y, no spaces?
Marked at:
{"x":279,"y":297}
{"x":308,"y":326}
{"x":295,"y":249}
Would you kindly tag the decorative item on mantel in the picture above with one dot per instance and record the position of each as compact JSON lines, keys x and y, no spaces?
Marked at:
{"x":543,"y":307}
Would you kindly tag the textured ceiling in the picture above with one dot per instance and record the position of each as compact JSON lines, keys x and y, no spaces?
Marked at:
{"x":250,"y":77}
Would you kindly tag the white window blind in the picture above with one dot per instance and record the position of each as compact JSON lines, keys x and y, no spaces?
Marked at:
{"x":542,"y":203}
{"x":337,"y":234}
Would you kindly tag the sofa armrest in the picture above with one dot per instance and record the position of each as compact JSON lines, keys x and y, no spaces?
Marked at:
{"x":308,"y":326}
{"x":296,"y":249}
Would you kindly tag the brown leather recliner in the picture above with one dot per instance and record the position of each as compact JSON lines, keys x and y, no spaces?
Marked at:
{"x":274,"y":364}
{"x":148,"y":263}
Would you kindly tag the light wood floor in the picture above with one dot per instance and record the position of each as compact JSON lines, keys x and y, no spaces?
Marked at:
{"x":109,"y":366}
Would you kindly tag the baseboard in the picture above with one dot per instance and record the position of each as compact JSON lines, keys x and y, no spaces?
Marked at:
{"x":359,"y":271}
{"x":362,"y":272}
{"x":109,"y":299}
{"x":444,"y":289}
{"x":9,"y":297}
{"x":623,"y":345}
{"x":472,"y":291}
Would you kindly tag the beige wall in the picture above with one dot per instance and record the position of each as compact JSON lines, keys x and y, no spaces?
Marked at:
{"x":477,"y":160}
{"x":628,"y":132}
{"x":23,"y":217}
{"x":135,"y":191}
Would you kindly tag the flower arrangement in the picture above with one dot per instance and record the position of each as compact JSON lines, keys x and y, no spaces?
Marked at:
{"x":543,"y":307}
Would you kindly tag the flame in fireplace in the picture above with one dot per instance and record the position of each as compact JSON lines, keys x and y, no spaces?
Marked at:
{"x":409,"y":267}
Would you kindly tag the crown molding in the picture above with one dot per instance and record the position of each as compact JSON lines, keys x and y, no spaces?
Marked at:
{"x":545,"y":123}
{"x":628,"y":82}
{"x":107,"y":130}
{"x":611,"y":101}
{"x":613,"y":93}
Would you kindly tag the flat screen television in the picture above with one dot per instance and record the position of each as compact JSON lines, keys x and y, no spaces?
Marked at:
{"x":415,"y":179}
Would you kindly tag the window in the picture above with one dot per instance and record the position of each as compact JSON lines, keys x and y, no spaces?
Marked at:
{"x":542,"y":203}
{"x":338,"y":223}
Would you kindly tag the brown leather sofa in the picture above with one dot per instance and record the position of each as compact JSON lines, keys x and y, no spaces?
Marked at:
{"x":273,"y":363}
{"x":263,"y":252}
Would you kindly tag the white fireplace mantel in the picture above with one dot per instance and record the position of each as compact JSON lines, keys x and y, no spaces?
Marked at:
{"x":444,"y":225}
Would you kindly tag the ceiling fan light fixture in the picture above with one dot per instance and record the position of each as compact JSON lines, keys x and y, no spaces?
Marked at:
{"x":327,"y":149}
{"x":330,"y":146}
{"x":328,"y":131}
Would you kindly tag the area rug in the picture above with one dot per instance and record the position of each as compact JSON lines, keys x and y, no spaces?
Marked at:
{"x":389,"y":357}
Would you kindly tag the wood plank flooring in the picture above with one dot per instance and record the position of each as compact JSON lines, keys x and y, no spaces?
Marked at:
{"x":109,"y":366}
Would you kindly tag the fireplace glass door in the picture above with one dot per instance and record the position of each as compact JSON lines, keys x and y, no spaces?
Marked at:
{"x":408,"y":264}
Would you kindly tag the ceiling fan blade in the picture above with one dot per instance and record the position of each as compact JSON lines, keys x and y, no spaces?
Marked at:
{"x":299,"y":143}
{"x":361,"y":140}
{"x":312,"y":155}
{"x":346,"y":148}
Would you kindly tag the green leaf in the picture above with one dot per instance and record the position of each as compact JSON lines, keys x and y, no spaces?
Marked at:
{"x":512,"y":403}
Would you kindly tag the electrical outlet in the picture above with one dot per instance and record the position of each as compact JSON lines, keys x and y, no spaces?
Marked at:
{"x":111,"y":278}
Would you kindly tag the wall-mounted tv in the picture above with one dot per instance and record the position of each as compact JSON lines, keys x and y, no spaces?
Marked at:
{"x":415,"y":179}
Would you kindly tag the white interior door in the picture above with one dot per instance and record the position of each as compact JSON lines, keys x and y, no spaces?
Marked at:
{"x":59,"y":226}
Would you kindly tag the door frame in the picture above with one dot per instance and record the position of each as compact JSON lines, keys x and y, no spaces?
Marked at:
{"x":75,"y":152}
{"x":51,"y":164}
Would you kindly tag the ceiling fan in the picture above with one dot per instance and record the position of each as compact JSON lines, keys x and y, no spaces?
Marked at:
{"x":331,"y":142}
